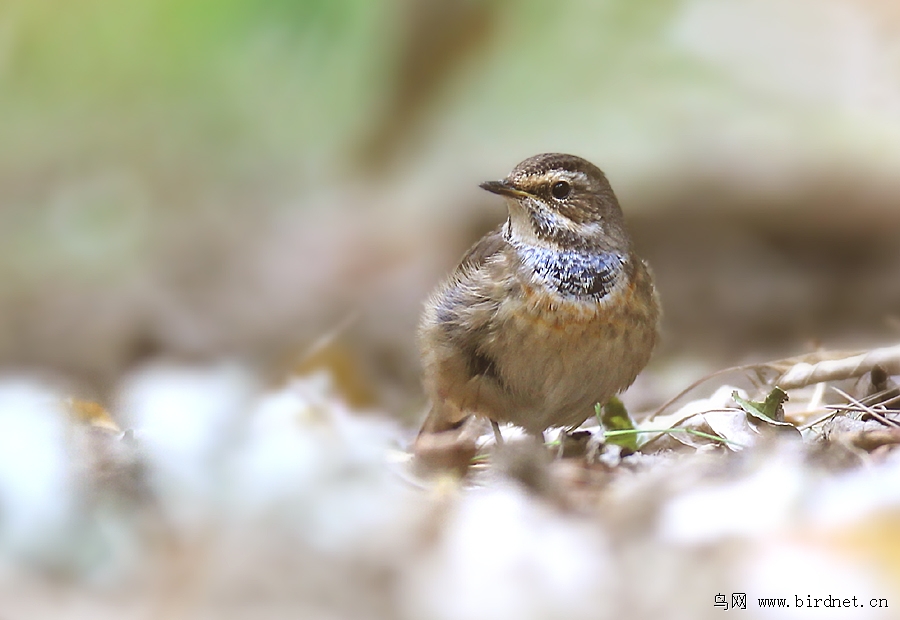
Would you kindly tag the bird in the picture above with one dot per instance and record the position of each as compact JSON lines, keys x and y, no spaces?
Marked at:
{"x":547,"y":315}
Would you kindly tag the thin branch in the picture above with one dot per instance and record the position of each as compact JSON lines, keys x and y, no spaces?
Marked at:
{"x":867,"y":409}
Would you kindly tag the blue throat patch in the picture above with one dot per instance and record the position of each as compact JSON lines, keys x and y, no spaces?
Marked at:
{"x":574,"y":273}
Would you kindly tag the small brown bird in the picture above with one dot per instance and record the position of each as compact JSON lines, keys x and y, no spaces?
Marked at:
{"x":545,"y":316}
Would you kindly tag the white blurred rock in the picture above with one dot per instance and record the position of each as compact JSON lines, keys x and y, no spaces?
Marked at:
{"x":38,"y":488}
{"x":753,"y":505}
{"x":502,"y":554}
{"x":308,"y":462}
{"x":186,"y":421}
{"x":857,"y":494}
{"x":802,"y":572}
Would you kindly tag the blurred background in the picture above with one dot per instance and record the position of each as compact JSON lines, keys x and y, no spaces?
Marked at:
{"x":197,"y":180}
{"x":200,"y":200}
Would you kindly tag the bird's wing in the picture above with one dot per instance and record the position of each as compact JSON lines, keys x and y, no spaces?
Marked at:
{"x":484,"y":248}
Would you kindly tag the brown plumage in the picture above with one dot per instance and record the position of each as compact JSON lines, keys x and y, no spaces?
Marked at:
{"x":545,"y":316}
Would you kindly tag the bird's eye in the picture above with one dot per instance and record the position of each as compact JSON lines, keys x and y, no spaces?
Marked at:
{"x":560,"y":190}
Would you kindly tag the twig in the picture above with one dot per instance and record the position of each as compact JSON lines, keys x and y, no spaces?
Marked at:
{"x":815,"y":401}
{"x":875,"y":399}
{"x":825,"y":417}
{"x":867,"y":409}
{"x":326,"y":339}
{"x":803,"y":373}
{"x":693,"y":385}
{"x":691,"y":431}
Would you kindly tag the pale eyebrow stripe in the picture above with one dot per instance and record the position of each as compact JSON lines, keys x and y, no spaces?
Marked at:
{"x":563,"y":175}
{"x":580,"y":176}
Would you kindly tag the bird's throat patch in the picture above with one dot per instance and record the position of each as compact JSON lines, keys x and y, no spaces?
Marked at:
{"x":574,"y":273}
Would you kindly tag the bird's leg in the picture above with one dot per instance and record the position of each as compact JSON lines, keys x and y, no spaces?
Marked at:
{"x":498,"y":437}
{"x":538,"y":437}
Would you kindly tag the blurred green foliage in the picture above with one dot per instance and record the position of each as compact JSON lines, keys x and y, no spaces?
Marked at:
{"x":161,"y":77}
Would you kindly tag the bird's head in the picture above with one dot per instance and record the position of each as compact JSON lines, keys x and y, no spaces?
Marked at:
{"x":563,"y":202}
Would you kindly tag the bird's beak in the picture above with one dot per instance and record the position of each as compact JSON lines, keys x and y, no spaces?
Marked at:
{"x":503,"y":188}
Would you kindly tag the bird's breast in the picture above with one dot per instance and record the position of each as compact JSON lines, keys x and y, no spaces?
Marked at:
{"x":558,"y":353}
